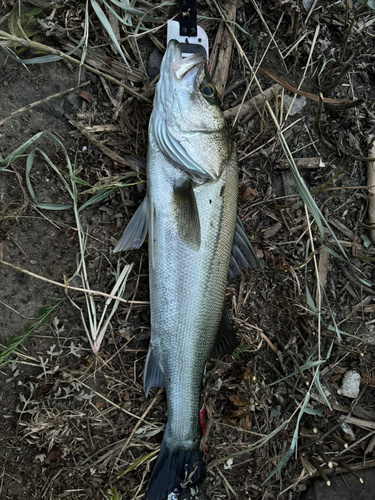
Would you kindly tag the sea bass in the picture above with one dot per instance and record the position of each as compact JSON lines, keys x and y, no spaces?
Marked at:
{"x":190,"y":213}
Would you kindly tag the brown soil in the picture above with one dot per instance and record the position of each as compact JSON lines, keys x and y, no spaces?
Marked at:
{"x":72,"y":422}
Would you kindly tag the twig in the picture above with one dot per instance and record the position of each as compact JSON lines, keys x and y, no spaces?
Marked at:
{"x":324,"y":457}
{"x":68,"y":287}
{"x":322,"y":269}
{"x":321,"y":471}
{"x":340,"y":103}
{"x":338,"y":440}
{"x":349,"y":469}
{"x":228,"y":487}
{"x":123,"y":447}
{"x":361,"y":466}
{"x":359,"y":422}
{"x":370,"y":446}
{"x":141,"y":419}
{"x":129,"y":161}
{"x":37,"y":103}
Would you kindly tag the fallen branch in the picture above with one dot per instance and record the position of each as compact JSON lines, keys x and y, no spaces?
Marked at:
{"x":130,"y":160}
{"x":42,"y":101}
{"x":221,"y":52}
{"x":252,"y":104}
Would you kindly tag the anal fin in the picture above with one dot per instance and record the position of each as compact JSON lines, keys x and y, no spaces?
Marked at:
{"x":153,"y":375}
{"x":226,"y":340}
{"x":135,"y":232}
{"x":243,"y":254}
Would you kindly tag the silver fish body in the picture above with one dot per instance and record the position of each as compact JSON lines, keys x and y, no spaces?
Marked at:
{"x":187,"y":284}
{"x":191,"y":212}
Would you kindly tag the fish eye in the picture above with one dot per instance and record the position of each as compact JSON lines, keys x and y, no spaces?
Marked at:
{"x":208,"y":91}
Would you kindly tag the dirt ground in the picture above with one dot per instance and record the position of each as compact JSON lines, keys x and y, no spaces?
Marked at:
{"x":72,"y":422}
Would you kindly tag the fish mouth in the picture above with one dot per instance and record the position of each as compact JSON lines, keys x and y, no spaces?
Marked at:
{"x":184,"y":69}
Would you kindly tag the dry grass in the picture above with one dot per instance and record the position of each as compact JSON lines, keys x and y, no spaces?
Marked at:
{"x":273,"y":411}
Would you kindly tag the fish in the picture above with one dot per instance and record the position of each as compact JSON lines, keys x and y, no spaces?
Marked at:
{"x":195,"y":240}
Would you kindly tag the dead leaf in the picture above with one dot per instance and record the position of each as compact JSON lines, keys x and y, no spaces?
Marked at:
{"x":250,"y":194}
{"x":238,"y":401}
{"x":85,"y":94}
{"x":53,"y":457}
{"x":283,"y":265}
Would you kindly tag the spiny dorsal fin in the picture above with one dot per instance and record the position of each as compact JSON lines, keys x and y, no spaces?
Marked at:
{"x":186,"y":214}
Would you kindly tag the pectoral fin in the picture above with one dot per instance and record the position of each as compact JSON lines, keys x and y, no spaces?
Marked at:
{"x":243,"y":254}
{"x":153,"y":375}
{"x":226,"y":340}
{"x":135,"y":232}
{"x":186,"y":214}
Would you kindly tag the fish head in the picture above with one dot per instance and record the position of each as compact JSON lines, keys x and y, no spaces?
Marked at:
{"x":187,"y":123}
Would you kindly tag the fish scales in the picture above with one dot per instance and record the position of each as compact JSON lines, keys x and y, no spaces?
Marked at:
{"x":187,"y":286}
{"x":190,"y":213}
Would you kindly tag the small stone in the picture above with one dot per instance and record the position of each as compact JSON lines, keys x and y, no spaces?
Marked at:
{"x":350,"y":384}
{"x":296,"y":107}
{"x":228,"y":463}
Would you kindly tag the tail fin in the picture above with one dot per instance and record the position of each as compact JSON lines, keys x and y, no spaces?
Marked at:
{"x":176,"y":469}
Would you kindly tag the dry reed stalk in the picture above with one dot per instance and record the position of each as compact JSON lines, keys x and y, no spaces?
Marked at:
{"x":371,"y":184}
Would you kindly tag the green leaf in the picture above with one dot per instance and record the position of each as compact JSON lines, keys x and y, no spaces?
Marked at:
{"x":115,"y":495}
{"x":370,"y":3}
{"x":41,"y":59}
{"x":341,"y":332}
{"x":138,"y":462}
{"x":106,"y":25}
{"x":293,"y":446}
{"x":310,"y":301}
{"x":96,"y":198}
{"x":240,"y":349}
{"x":139,"y":13}
{"x":306,"y":366}
{"x":366,"y":241}
{"x":315,"y":411}
{"x":320,"y":390}
{"x":77,"y":180}
{"x":17,"y":341}
{"x":29,"y":164}
{"x":26,"y":24}
{"x":14,"y":155}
